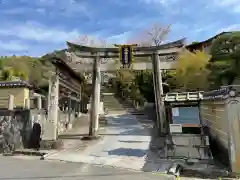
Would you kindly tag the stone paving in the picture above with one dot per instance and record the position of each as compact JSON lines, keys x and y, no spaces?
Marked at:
{"x":31,"y":168}
{"x":124,"y":144}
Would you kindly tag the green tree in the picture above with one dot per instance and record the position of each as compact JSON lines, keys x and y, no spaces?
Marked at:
{"x":191,"y":72}
{"x":124,"y":81}
{"x":144,"y":81}
{"x":7,"y":74}
{"x":194,"y":42}
{"x":225,"y":62}
{"x":1,"y":64}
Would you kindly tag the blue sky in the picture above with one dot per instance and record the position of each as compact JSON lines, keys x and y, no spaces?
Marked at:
{"x":36,"y":27}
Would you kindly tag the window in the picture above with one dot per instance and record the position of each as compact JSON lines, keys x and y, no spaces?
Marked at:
{"x":185,"y":115}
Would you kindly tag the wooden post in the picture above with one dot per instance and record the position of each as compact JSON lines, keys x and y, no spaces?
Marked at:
{"x":94,"y":103}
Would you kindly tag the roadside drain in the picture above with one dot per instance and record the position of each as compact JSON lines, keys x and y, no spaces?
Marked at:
{"x":133,"y":141}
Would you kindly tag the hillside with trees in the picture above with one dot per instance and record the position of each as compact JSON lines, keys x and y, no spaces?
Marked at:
{"x":24,"y":67}
{"x":34,"y":70}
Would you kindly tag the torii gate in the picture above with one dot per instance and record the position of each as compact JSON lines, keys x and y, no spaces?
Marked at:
{"x":163,"y":52}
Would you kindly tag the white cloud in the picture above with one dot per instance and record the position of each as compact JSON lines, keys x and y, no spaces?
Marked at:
{"x":41,"y":10}
{"x":14,"y":11}
{"x":227,"y":2}
{"x":120,"y":38}
{"x":201,"y":27}
{"x":38,"y":32}
{"x":154,"y":1}
{"x":232,"y":5}
{"x":138,"y":22}
{"x":22,"y":10}
{"x":165,"y":3}
{"x":47,"y":2}
{"x":233,"y":27}
{"x":65,"y":7}
{"x":13,"y":46}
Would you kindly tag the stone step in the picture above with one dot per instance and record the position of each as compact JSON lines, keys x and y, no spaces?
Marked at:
{"x":113,"y":104}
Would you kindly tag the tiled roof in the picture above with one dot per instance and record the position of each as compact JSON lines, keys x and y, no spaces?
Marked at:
{"x":15,"y":84}
{"x":206,"y":41}
{"x":222,"y":93}
{"x":58,"y":57}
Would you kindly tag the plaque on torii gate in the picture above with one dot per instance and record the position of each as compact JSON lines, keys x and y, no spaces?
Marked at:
{"x":126,"y":54}
{"x":76,"y":54}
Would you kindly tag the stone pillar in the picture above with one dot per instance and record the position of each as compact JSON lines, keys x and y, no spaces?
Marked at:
{"x":80,"y":102}
{"x":158,"y":91}
{"x":79,"y":108}
{"x":95,"y":99}
{"x":160,"y":86}
{"x":52,"y":119}
{"x":11,"y":102}
{"x":233,"y":114}
{"x":98,"y":87}
{"x":69,"y":123}
{"x":27,"y":103}
{"x":157,"y":125}
{"x":39,"y":102}
{"x":10,"y":105}
{"x":78,"y":113}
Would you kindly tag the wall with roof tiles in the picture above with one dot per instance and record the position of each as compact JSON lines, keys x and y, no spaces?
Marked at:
{"x":221,"y":121}
{"x":20,"y":94}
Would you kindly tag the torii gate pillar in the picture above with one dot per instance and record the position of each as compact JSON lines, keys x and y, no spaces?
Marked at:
{"x":158,"y":92}
{"x":94,"y":110}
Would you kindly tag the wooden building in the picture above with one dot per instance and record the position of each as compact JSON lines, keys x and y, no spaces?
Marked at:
{"x":203,"y":45}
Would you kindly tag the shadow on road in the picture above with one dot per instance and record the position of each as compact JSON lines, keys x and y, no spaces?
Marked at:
{"x":127,"y":152}
{"x":126,"y":124}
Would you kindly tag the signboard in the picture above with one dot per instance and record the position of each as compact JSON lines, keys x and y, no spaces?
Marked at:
{"x":126,"y":55}
{"x":175,"y":128}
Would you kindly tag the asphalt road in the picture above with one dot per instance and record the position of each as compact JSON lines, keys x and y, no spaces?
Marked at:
{"x":31,"y":168}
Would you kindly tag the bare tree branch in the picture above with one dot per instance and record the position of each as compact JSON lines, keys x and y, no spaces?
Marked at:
{"x":154,"y":36}
{"x":92,"y":41}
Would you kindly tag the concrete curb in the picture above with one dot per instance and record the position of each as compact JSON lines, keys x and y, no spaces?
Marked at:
{"x":29,"y":152}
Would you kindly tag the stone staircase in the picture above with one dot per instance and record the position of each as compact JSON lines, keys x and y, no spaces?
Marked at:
{"x":114,"y":104}
{"x":111,"y":103}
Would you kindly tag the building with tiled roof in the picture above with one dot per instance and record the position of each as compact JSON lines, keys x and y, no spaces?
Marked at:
{"x":204,"y":45}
